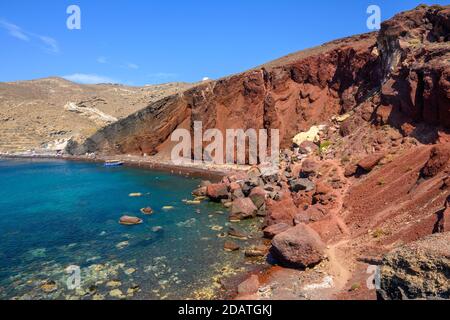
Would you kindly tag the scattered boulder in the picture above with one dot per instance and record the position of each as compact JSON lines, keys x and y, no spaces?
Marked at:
{"x":200,"y":192}
{"x":308,"y":147}
{"x":369,"y":162}
{"x":256,"y":251}
{"x":230,"y":246}
{"x":301,"y":184}
{"x":243,"y":208}
{"x":147,"y":211}
{"x":128,"y":221}
{"x":49,"y":286}
{"x":273,"y":230}
{"x":249,"y":286}
{"x":298,"y":247}
{"x":217,"y":191}
{"x":235,"y":233}
{"x":350,"y":170}
{"x":258,"y":196}
{"x":283,"y":210}
{"x":418,"y":270}
{"x":309,"y":168}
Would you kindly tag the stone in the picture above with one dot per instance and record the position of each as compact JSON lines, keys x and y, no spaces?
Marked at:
{"x":301,"y":184}
{"x":129,"y":221}
{"x":418,"y":270}
{"x":147,"y":211}
{"x":256,"y":251}
{"x":249,"y":286}
{"x":273,"y":230}
{"x":254,"y":173}
{"x":283,"y":210}
{"x":49,"y":286}
{"x":113,"y":284}
{"x":312,"y":135}
{"x":135,"y":194}
{"x":238,"y":234}
{"x":230,"y":246}
{"x":200,"y":192}
{"x":298,"y":247}
{"x":309,"y":168}
{"x":116,"y":293}
{"x":350,"y":170}
{"x":258,"y":196}
{"x":243,"y":208}
{"x":369,"y":162}
{"x":217,"y":191}
{"x":308,"y":147}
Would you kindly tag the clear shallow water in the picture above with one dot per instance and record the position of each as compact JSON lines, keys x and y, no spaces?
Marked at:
{"x":54,"y":214}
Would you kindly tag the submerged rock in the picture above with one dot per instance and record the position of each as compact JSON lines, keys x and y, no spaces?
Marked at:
{"x":235,"y":233}
{"x":230,"y":246}
{"x":147,"y":211}
{"x":135,"y":194}
{"x":49,"y":286}
{"x":128,"y":221}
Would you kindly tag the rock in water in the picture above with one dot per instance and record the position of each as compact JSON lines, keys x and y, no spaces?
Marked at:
{"x":128,"y":221}
{"x":418,"y":270}
{"x":243,"y":208}
{"x":230,"y":246}
{"x":217,"y":192}
{"x":298,"y":247}
{"x":249,"y":286}
{"x":147,"y":211}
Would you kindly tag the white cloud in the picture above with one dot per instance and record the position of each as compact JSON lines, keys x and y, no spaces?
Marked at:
{"x":14,"y":31}
{"x":49,"y":44}
{"x":89,"y":78}
{"x":132,"y":66}
{"x":102,"y":60}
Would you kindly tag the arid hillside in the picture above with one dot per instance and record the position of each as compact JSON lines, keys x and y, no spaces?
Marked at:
{"x":47,"y":112}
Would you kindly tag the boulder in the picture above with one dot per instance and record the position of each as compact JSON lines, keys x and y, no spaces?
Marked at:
{"x":369,"y":162}
{"x":419,"y":270}
{"x":256,"y":251}
{"x":249,"y":286}
{"x":301,"y":184}
{"x":308,"y":147}
{"x":273,"y":230}
{"x":258,"y":196}
{"x":200,"y":192}
{"x":283,"y":210}
{"x":235,"y":233}
{"x":128,"y":221}
{"x":230,"y":246}
{"x":309,"y":168}
{"x":217,"y":191}
{"x":243,"y":208}
{"x":298,"y":247}
{"x":350,"y":170}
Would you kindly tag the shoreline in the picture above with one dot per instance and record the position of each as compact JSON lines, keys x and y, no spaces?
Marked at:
{"x":203,"y":171}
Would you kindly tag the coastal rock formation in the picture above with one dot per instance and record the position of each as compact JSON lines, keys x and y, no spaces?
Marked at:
{"x":419,"y":270}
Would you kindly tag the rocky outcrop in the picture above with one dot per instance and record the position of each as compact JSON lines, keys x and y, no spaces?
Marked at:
{"x":420,"y":270}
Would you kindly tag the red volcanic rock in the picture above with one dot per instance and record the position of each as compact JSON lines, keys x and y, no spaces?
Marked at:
{"x":298,"y":247}
{"x":200,"y":192}
{"x":308,"y":147}
{"x":350,"y":170}
{"x":258,"y":196}
{"x":281,"y":211}
{"x":369,"y":162}
{"x":230,"y":246}
{"x":273,"y":230}
{"x":243,"y":208}
{"x":217,"y":191}
{"x":323,"y":188}
{"x":439,"y":161}
{"x":443,"y":223}
{"x":128,"y":221}
{"x":249,"y":286}
{"x":309,"y":167}
{"x":296,"y":168}
{"x":301,"y":217}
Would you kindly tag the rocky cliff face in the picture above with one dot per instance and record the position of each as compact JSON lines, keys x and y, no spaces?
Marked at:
{"x":402,"y":73}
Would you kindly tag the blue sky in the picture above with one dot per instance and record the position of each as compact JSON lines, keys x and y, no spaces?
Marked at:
{"x":138,"y":42}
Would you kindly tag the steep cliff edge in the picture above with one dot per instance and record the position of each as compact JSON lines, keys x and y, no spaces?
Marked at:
{"x":402,"y":71}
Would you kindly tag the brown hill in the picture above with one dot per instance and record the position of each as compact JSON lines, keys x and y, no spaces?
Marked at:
{"x":38,"y":112}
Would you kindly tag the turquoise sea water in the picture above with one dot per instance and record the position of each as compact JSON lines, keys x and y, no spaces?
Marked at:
{"x":55,"y":214}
